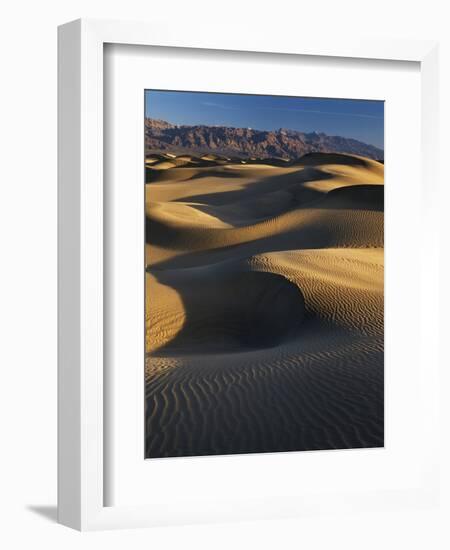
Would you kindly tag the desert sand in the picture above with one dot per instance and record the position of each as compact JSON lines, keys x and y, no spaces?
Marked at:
{"x":264,"y":304}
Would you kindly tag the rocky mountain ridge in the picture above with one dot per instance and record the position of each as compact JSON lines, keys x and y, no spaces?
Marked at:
{"x":162,"y":136}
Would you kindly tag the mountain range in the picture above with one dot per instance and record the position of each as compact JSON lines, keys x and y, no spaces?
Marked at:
{"x":162,"y":136}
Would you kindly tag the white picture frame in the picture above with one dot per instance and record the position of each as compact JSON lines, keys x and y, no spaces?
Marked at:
{"x":82,"y":483}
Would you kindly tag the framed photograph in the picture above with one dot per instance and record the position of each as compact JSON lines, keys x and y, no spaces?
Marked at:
{"x":247,"y":295}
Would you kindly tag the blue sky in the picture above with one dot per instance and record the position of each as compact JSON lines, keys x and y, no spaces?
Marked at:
{"x":354,"y":118}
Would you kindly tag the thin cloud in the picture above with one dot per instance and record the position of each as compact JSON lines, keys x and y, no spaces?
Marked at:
{"x":286,"y":109}
{"x":289,"y":110}
{"x":219,"y":105}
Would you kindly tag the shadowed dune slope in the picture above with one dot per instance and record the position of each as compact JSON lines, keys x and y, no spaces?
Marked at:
{"x":222,"y":311}
{"x":329,"y":223}
{"x":264,"y":305}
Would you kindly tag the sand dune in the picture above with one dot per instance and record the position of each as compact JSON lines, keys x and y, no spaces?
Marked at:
{"x":264,"y":291}
{"x":323,"y":224}
{"x":223,"y":309}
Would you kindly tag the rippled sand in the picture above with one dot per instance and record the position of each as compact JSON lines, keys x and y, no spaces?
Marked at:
{"x":264,"y":314}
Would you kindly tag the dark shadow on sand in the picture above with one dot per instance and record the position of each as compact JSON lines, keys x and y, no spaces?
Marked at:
{"x":233,"y":310}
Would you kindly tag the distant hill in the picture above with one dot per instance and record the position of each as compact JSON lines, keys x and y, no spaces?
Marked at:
{"x":162,"y":136}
